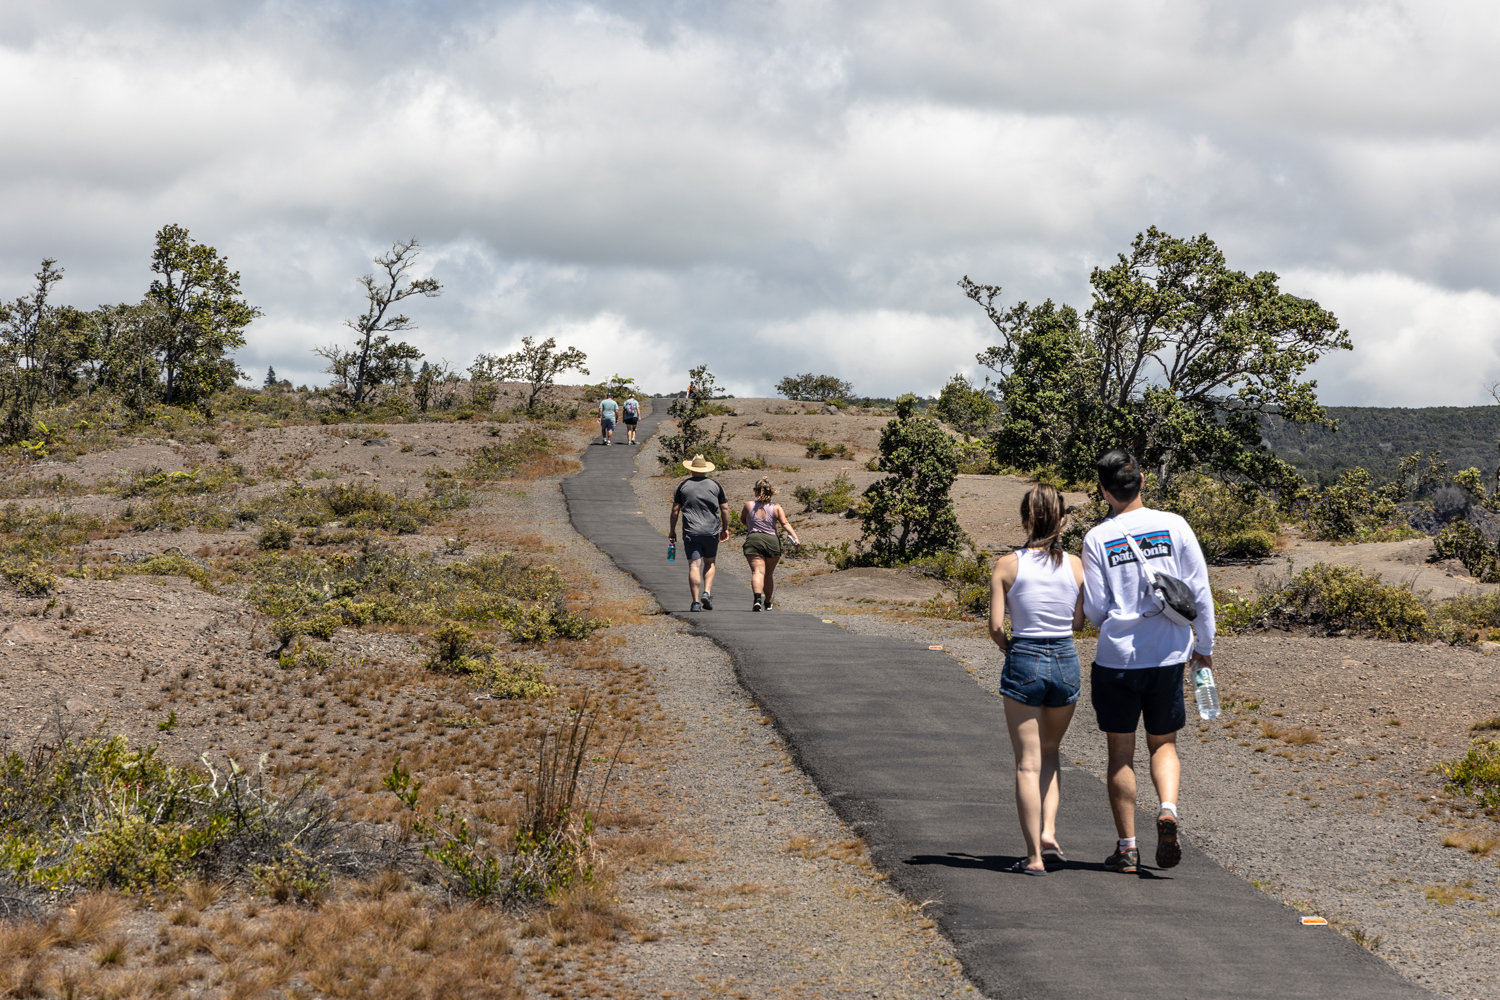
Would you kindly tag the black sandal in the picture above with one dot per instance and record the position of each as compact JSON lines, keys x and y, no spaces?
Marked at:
{"x":1021,"y":868}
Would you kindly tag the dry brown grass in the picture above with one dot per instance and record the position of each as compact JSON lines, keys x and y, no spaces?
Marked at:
{"x":380,"y":941}
{"x":626,"y":850}
{"x":1296,"y":735}
{"x":1474,"y":840}
{"x":582,"y":915}
{"x":1447,"y":895}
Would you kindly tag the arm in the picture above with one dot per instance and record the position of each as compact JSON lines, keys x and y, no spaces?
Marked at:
{"x":724,"y":521}
{"x":1079,"y":619}
{"x":672,"y":522}
{"x":1096,"y":597}
{"x":781,"y":517}
{"x":1195,"y":574}
{"x":1000,"y":581}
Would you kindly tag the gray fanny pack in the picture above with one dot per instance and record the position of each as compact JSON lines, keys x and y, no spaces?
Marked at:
{"x":1174,"y":599}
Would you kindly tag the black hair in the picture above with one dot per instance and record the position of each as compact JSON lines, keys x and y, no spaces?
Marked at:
{"x":1119,"y":474}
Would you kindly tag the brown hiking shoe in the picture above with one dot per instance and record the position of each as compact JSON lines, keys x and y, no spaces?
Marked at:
{"x":1126,"y":862}
{"x":1168,"y":850}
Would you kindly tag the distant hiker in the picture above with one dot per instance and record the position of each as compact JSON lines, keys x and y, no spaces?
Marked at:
{"x":763,"y":545}
{"x":705,"y":523}
{"x":632,"y":414}
{"x":1042,"y":587}
{"x":1138,"y":668}
{"x":607,"y":409}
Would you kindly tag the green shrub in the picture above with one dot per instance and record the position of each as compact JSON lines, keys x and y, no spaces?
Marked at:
{"x":31,"y":539}
{"x":358,"y":507}
{"x":309,"y":593}
{"x":833,"y":497}
{"x":1231,"y":521}
{"x":1476,"y":611}
{"x":514,"y":679}
{"x":1462,"y":541}
{"x":501,"y":461}
{"x":1345,"y":599}
{"x":92,"y":813}
{"x":156,"y":483}
{"x":969,"y":579}
{"x":553,"y":842}
{"x":1350,"y":510}
{"x":823,"y":451}
{"x":30,"y":580}
{"x":1476,"y":774}
{"x":277,"y":535}
{"x":459,"y":650}
{"x":909,"y":513}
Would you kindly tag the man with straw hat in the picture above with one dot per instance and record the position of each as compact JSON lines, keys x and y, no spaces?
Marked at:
{"x":705,"y":523}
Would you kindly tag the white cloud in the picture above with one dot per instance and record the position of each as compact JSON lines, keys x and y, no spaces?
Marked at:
{"x":862,"y":347}
{"x":684,"y":178}
{"x":1435,"y":347}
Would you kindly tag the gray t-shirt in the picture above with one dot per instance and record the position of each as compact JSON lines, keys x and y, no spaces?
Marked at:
{"x":700,"y":500}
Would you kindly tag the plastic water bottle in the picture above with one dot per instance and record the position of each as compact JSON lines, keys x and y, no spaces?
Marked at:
{"x":672,"y":555}
{"x":1207,"y":692}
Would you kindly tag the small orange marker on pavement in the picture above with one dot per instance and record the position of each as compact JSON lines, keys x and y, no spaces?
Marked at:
{"x":1315,"y":921}
{"x":827,"y":621}
{"x":934,"y":647}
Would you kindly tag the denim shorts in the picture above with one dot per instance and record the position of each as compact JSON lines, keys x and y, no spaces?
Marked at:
{"x":1042,"y":673}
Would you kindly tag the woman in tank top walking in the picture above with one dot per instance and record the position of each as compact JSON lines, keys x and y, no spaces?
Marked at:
{"x":1042,"y":588}
{"x":762,"y":544}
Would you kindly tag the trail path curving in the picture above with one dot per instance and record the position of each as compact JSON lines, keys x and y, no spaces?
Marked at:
{"x":915,"y":757}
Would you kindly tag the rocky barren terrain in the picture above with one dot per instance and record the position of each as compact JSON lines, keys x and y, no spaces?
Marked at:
{"x":725,"y":875}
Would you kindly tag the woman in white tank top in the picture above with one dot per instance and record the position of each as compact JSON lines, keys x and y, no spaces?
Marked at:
{"x":1042,"y":587}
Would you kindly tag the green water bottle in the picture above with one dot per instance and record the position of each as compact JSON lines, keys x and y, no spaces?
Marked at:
{"x":671,"y":551}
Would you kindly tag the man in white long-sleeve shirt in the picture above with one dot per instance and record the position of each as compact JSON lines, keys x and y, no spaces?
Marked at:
{"x":1138,"y":669}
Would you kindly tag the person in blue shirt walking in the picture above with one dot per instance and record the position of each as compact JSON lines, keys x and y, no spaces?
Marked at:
{"x":607,"y":410}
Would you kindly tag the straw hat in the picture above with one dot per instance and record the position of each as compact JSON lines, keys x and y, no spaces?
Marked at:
{"x":698,"y":464}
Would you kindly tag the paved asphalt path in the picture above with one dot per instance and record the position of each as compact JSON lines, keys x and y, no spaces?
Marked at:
{"x":916,"y":758}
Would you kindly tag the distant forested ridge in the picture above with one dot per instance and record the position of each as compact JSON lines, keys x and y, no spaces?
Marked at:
{"x":1377,"y":437}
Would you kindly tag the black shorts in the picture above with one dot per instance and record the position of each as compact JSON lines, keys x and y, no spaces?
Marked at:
{"x":1121,"y":697}
{"x":700,"y":546}
{"x":631,"y":421}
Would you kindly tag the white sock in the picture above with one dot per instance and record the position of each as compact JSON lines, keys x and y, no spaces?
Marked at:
{"x":1126,"y":843}
{"x":1170,"y":807}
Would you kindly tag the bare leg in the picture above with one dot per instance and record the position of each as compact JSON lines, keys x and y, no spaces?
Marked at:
{"x":1053,"y":726}
{"x":770,"y":583}
{"x":1122,"y":782}
{"x":1166,"y":769}
{"x":695,"y":577}
{"x":1025,"y":740}
{"x":757,"y":573}
{"x":708,"y":576}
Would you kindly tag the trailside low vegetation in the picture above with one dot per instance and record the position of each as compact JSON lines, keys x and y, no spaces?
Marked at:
{"x":90,"y":812}
{"x":1343,"y":600}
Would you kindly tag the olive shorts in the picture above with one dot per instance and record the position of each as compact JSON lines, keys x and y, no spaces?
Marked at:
{"x":760,"y":543}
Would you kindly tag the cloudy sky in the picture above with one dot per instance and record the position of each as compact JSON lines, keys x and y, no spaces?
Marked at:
{"x":769,"y":187}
